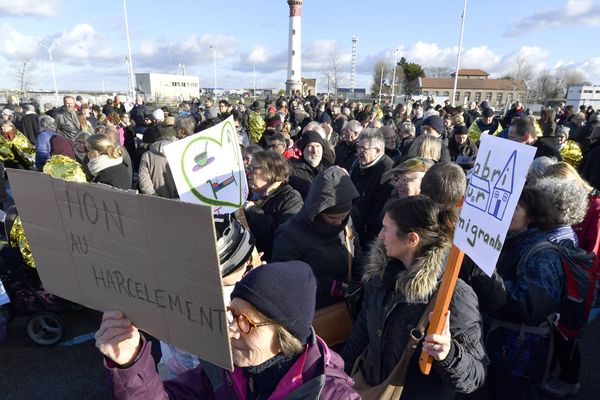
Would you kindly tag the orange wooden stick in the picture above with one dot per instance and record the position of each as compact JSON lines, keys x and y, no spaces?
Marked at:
{"x":442,"y":302}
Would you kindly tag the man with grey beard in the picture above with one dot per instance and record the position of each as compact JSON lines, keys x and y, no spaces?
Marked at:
{"x":304,"y":170}
{"x":67,"y":123}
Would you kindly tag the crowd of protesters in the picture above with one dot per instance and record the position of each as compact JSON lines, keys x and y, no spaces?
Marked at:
{"x":347,"y":198}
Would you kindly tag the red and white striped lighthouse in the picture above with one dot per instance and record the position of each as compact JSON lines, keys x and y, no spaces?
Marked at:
{"x":294,"y":74}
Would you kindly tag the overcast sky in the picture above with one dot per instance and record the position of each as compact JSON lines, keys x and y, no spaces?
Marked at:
{"x":91,"y":50}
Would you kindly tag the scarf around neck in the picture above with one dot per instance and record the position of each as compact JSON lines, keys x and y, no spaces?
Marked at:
{"x":102,"y":162}
{"x":264,"y":378}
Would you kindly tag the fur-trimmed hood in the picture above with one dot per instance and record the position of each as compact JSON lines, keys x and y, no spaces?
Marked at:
{"x":416,"y":282}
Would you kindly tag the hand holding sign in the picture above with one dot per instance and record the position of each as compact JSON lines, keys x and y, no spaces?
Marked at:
{"x":438,"y":346}
{"x":117,"y":338}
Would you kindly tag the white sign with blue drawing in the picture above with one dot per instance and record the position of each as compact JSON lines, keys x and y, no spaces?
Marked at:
{"x":208,"y":168}
{"x":3,"y":295}
{"x":495,"y":184}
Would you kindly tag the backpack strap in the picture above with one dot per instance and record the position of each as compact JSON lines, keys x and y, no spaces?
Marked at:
{"x":545,"y":328}
{"x":544,"y":244}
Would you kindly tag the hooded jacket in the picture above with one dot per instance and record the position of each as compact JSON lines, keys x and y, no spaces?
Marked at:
{"x":154,"y":175}
{"x":318,"y":373}
{"x":395,"y":297}
{"x":304,"y":237}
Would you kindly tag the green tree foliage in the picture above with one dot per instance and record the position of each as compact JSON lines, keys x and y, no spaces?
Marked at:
{"x":412,"y":73}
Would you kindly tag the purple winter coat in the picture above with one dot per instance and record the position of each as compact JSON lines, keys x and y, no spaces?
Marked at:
{"x":318,"y":373}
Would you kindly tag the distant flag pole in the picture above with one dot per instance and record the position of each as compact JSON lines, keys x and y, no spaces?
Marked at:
{"x":131,"y":77}
{"x":462,"y":29}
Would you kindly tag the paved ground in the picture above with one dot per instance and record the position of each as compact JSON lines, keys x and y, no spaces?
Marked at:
{"x":28,"y":371}
{"x":75,"y":372}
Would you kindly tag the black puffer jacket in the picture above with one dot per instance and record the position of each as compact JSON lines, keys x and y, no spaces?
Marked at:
{"x":302,"y":175}
{"x":303,"y":237}
{"x":374,"y":190}
{"x":267,"y":214}
{"x":394,"y":299}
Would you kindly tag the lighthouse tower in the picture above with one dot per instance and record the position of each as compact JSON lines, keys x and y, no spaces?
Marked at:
{"x":294,"y":73}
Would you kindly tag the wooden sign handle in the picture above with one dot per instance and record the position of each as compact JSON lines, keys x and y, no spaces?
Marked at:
{"x":442,"y":302}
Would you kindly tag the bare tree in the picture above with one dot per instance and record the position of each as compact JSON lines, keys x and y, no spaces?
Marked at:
{"x":553,"y":85}
{"x":543,"y":87}
{"x":438,"y":72}
{"x":522,"y":71}
{"x":574,"y":77}
{"x":333,"y":75}
{"x":382,"y":69}
{"x":22,"y":73}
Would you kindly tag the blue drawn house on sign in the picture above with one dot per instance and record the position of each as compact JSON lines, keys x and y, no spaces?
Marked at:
{"x":478,"y":193}
{"x":503,"y":188}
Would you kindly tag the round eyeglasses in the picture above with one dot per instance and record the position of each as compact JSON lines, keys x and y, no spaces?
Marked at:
{"x":244,"y":323}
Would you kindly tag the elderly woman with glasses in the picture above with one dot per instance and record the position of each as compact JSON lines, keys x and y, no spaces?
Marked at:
{"x":275,"y":351}
{"x":273,"y":200}
{"x":406,"y":177}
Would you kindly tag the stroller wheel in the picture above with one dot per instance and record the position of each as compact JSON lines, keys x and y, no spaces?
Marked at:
{"x":45,"y":328}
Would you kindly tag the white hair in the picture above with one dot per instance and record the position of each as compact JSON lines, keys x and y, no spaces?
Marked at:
{"x":315,"y":126}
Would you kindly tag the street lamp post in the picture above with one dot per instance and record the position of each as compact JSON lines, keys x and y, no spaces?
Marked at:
{"x":381,"y":83}
{"x":129,"y":60}
{"x":214,"y":51}
{"x":394,"y":74}
{"x":49,"y":49}
{"x":462,"y":29}
{"x":254,"y":91}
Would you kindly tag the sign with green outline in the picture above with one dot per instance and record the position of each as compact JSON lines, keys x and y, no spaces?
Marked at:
{"x":208,"y":168}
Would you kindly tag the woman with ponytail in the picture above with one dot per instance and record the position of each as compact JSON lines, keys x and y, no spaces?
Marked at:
{"x":106,"y":162}
{"x":403,"y":273}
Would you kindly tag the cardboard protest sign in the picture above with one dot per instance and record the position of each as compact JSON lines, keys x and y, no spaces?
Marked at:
{"x":495,"y":185}
{"x":152,"y":258}
{"x":208,"y":168}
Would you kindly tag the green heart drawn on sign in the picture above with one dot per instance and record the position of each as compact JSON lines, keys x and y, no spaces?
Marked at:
{"x":226,"y":132}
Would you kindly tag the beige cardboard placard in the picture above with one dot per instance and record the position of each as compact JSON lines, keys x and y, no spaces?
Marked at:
{"x":154,"y":259}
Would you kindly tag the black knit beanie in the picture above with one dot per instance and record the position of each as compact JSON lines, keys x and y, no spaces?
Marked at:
{"x":284,"y":292}
{"x":311,"y":137}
